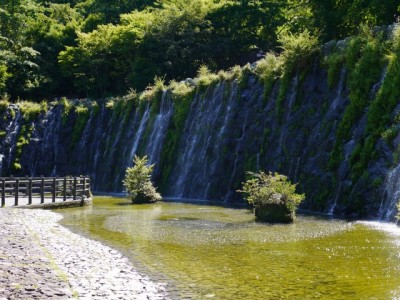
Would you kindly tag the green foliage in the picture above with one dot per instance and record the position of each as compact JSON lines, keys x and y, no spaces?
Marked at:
{"x":364,"y":61}
{"x":4,"y":104}
{"x":389,"y":94}
{"x":82,"y":115}
{"x":377,"y":182}
{"x":389,"y":134}
{"x":173,"y":137}
{"x":23,"y":139}
{"x":4,"y":75}
{"x":102,"y":48}
{"x":268,"y":69}
{"x":298,"y":49}
{"x":205,"y":77}
{"x":110,"y":103}
{"x":181,"y":89}
{"x":16,"y":166}
{"x":30,"y":110}
{"x":67,"y":106}
{"x":334,"y":63}
{"x":138,"y":184}
{"x":271,"y":190}
{"x":398,"y":212}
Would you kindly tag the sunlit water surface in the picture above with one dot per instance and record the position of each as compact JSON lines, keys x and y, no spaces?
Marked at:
{"x":214,"y":252}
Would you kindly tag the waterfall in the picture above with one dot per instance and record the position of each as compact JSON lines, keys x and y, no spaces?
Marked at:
{"x":332,"y":206}
{"x":48,"y":140}
{"x":229,"y":128}
{"x":10,"y":140}
{"x":156,"y":140}
{"x":83,"y":145}
{"x":339,"y":89}
{"x":392,"y":195}
{"x":201,"y":141}
{"x":138,"y":136}
{"x":95,"y":150}
{"x":293,"y":94}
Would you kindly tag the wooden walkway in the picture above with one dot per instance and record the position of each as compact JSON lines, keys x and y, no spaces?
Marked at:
{"x":44,"y":191}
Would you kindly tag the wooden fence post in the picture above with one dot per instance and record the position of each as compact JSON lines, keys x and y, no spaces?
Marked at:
{"x":84,"y":188}
{"x":3,"y":192}
{"x":74,"y":189}
{"x":65,"y":189}
{"x":42,"y":191}
{"x":16,"y":191}
{"x":30,"y":191}
{"x":54,"y":189}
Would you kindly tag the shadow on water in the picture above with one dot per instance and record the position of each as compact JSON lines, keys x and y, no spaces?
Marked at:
{"x":178,"y":200}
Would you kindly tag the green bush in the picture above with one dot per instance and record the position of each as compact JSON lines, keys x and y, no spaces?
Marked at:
{"x":274,"y":197}
{"x":334,"y":63}
{"x":180,"y":89}
{"x":4,"y":104}
{"x":268,"y":69}
{"x":67,"y":106}
{"x":30,"y":110}
{"x":205,"y":77}
{"x":363,"y":57}
{"x":389,"y":134}
{"x":297,"y":49}
{"x":82,"y":116}
{"x":138,"y":184}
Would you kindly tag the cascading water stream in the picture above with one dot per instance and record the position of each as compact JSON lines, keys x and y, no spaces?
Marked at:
{"x":202,"y":140}
{"x":156,"y":140}
{"x":293,"y":94}
{"x":95,"y":150}
{"x":139,"y":134}
{"x":9,"y":142}
{"x":339,"y":89}
{"x":332,"y":206}
{"x":392,"y":195}
{"x":49,"y":140}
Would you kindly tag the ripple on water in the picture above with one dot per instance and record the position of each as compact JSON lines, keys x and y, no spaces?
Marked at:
{"x":177,"y":224}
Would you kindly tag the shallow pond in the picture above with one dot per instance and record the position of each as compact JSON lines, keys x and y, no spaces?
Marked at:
{"x":215,"y":252}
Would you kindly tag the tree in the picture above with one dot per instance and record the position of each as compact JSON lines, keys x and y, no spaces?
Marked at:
{"x":273,"y":196}
{"x":242,"y":27}
{"x":103,"y":58}
{"x":3,"y":77}
{"x":138,"y":184}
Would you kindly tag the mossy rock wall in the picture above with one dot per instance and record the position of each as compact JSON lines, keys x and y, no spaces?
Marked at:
{"x":331,"y":131}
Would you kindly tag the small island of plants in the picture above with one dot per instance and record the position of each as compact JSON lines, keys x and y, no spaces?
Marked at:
{"x":138,"y":183}
{"x":273,"y":196}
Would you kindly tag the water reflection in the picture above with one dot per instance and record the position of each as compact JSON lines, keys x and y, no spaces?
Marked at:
{"x":210,"y":251}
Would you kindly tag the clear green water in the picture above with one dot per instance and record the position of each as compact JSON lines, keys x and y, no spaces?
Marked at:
{"x":221,"y":253}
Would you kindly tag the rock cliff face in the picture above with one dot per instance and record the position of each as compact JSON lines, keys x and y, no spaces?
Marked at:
{"x":204,"y":144}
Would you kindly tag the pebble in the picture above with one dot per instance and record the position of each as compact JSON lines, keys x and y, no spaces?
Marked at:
{"x":40,"y":259}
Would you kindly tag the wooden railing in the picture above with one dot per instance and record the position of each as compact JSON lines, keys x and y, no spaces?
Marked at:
{"x":58,"y":189}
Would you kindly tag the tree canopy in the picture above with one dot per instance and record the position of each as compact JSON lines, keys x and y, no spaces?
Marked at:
{"x":99,"y":48}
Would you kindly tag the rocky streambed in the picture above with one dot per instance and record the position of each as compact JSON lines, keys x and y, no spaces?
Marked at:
{"x":41,"y":259}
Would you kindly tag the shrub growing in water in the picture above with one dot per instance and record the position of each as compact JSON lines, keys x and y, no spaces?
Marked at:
{"x":274,"y":197}
{"x":138,"y":184}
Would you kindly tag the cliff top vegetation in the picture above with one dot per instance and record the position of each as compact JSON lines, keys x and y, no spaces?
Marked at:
{"x":100,"y":48}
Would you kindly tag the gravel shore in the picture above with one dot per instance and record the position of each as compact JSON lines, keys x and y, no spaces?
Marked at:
{"x":40,"y":259}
